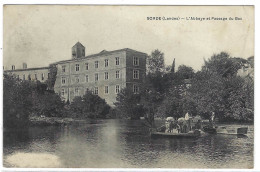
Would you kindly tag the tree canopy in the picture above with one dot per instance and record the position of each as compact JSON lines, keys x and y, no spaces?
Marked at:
{"x":89,"y":106}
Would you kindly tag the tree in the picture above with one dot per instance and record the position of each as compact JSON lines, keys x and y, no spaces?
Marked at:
{"x":51,"y":77}
{"x":48,"y":104}
{"x":208,"y":92}
{"x":223,"y":64}
{"x":89,"y":106}
{"x":17,"y":102}
{"x":128,"y":103}
{"x":151,"y":98}
{"x":156,"y":62}
{"x":185,"y":72}
{"x":239,"y":104}
{"x":217,"y":88}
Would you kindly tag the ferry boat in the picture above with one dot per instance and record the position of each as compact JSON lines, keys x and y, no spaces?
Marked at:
{"x":190,"y":134}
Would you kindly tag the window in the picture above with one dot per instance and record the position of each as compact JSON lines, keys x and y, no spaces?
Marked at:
{"x":77,"y":67}
{"x":87,"y":90}
{"x":117,"y":89}
{"x":106,"y":75}
{"x":29,"y":77}
{"x":62,"y":92}
{"x":86,"y":78}
{"x":136,"y":74}
{"x":63,"y":68}
{"x":42,"y":76}
{"x":96,"y":64}
{"x":49,"y":75}
{"x":106,"y":89}
{"x":117,"y":74}
{"x":96,"y":91}
{"x":135,"y":89}
{"x":18,"y":76}
{"x":76,"y":91}
{"x":96,"y":76}
{"x":35,"y":76}
{"x":23,"y":77}
{"x":77,"y":79}
{"x":86,"y":64}
{"x":63,"y":80}
{"x":136,"y":61}
{"x":117,"y":60}
{"x":106,"y":62}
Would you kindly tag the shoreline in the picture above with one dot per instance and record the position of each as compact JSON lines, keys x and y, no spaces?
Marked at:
{"x":52,"y":121}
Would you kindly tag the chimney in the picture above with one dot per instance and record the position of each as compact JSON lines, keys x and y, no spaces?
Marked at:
{"x":24,"y":66}
{"x":13,"y":67}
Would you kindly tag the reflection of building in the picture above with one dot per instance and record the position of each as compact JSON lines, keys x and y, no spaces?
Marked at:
{"x":104,"y":73}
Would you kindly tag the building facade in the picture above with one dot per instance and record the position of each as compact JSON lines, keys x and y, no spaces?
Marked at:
{"x":104,"y":73}
{"x":34,"y":74}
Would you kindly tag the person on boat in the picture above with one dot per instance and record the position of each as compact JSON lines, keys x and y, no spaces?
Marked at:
{"x":188,"y":119}
{"x":198,"y":124}
{"x":178,"y":128}
{"x":185,"y":128}
{"x":167,"y":126}
{"x":171,"y":126}
{"x":212,"y":119}
{"x":181,"y":127}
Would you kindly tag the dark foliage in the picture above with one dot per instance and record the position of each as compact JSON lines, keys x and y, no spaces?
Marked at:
{"x":215,"y":88}
{"x":51,"y":77}
{"x":89,"y":106}
{"x":128,"y":104}
{"x":23,"y":98}
{"x":17,"y":102}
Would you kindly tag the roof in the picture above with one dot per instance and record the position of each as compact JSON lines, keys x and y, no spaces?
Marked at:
{"x":103,"y":52}
{"x":78,"y":44}
{"x":39,"y":68}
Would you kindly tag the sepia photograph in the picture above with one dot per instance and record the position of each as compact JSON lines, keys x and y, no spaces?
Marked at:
{"x":128,"y":86}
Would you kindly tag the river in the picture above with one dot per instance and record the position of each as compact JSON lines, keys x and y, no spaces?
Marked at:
{"x":122,"y":144}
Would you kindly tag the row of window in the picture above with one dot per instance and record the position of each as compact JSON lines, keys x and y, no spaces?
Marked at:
{"x":106,"y":76}
{"x":96,"y":65}
{"x":42,"y":76}
{"x":95,"y":90}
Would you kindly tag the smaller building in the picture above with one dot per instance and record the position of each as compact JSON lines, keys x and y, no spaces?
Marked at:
{"x":41,"y":74}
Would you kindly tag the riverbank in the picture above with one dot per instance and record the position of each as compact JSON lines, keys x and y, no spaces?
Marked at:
{"x":35,"y":120}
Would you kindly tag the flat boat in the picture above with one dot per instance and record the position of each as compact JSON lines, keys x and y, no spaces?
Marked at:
{"x":231,"y":131}
{"x":191,"y":134}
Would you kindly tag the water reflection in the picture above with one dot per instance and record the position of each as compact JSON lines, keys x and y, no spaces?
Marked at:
{"x":125,"y":143}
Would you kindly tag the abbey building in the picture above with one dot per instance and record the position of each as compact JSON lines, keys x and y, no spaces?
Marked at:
{"x":104,"y":73}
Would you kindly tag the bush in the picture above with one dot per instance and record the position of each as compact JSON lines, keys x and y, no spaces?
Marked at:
{"x":89,"y":106}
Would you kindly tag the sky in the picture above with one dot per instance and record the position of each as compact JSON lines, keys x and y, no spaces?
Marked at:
{"x":42,"y":34}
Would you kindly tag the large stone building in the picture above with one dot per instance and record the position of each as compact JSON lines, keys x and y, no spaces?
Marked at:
{"x":104,"y":73}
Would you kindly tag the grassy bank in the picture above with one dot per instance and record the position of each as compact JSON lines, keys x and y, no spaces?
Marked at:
{"x":35,"y":120}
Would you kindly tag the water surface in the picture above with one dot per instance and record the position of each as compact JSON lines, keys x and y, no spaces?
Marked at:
{"x":122,"y":144}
